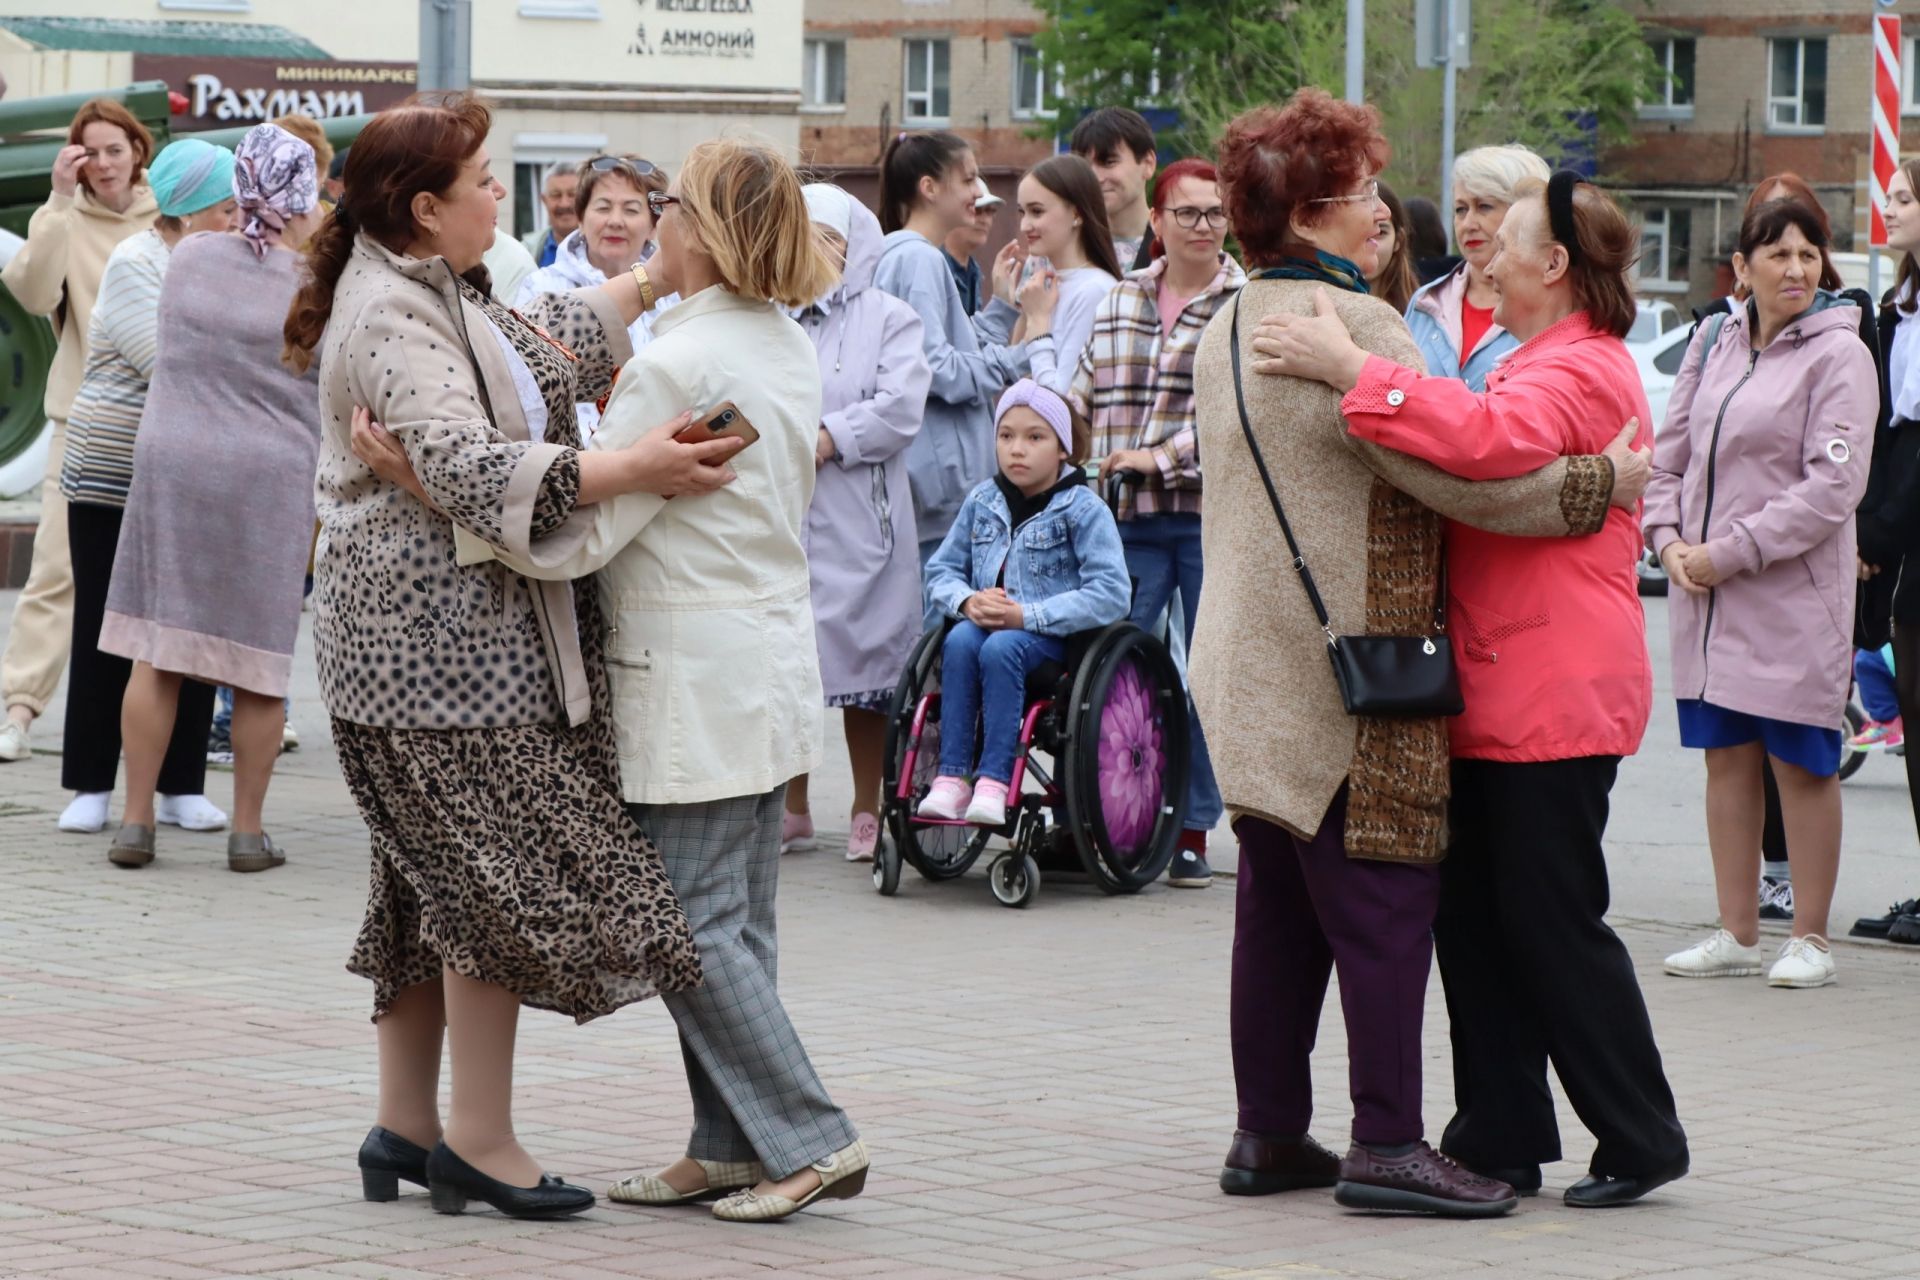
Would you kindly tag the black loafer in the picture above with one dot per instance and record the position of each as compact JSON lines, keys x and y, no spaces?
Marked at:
{"x":1599,"y":1191}
{"x":1879,"y":926}
{"x":1906,"y":929}
{"x":451,"y":1182}
{"x":1523,"y":1178}
{"x":385,"y":1158}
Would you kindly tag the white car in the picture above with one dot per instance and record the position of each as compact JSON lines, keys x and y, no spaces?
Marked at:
{"x":1653,"y":321}
{"x":1659,"y":361}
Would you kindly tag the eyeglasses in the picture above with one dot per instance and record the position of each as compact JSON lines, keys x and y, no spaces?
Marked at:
{"x":1370,"y":192}
{"x":658,"y":202}
{"x":629,"y":163}
{"x":1187,"y":217}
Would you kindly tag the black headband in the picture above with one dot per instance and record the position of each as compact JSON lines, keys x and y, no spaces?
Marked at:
{"x":1560,"y":211}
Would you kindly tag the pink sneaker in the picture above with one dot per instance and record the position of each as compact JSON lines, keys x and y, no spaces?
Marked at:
{"x":796,"y":833}
{"x":946,"y":799}
{"x":989,"y":807}
{"x":1877,"y":735}
{"x":865,"y":838}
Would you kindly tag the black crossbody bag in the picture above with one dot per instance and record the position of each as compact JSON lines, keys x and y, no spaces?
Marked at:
{"x":1408,"y":676}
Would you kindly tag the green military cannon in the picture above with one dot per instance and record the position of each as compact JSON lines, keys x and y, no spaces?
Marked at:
{"x":32,"y":131}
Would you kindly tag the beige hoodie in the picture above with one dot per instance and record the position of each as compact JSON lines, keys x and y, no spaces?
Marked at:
{"x":68,"y":242}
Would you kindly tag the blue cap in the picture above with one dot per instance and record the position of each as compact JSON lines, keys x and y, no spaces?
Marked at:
{"x":190,"y":175}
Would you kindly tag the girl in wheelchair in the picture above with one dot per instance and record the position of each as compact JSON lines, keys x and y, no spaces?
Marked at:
{"x":1032,"y":558}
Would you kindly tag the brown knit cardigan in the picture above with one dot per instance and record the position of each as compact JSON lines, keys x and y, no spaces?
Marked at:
{"x":1366,"y":520}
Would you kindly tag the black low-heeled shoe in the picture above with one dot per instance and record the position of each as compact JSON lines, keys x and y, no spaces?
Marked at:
{"x":385,"y":1158}
{"x":451,"y":1182}
{"x":1602,"y":1191}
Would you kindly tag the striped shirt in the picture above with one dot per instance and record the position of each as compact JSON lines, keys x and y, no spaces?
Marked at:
{"x":121,"y":342}
{"x":1135,"y":384}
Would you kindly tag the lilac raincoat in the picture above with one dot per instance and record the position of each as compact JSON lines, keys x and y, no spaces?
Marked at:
{"x":1762,"y":460}
{"x":861,"y":542}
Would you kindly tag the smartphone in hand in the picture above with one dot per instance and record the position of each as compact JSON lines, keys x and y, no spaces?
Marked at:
{"x":724,"y":422}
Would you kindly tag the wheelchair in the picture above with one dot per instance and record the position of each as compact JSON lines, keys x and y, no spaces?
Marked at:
{"x":1110,"y":796}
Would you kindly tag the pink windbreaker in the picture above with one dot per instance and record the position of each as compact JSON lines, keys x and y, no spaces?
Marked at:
{"x":1548,"y":632}
{"x":1763,"y":458}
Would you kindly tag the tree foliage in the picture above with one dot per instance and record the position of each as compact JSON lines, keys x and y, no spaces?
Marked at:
{"x":1553,"y":74}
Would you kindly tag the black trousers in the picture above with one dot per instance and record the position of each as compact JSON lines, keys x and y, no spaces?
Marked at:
{"x":90,"y":759}
{"x":1533,"y":974}
{"x":1906,"y":689}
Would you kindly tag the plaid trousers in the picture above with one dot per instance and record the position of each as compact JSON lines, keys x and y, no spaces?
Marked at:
{"x":755,"y":1094}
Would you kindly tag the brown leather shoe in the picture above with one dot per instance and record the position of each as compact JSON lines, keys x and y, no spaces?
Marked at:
{"x":1260,"y":1164}
{"x":1421,"y":1181}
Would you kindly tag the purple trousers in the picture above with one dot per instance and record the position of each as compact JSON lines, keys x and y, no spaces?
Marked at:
{"x":1303,"y":908}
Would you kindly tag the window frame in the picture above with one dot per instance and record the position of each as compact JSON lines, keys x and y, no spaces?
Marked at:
{"x":1048,"y":107}
{"x":814,"y":50}
{"x":1667,"y":108}
{"x":1666,"y":281}
{"x":1909,"y":83}
{"x":1798,"y":100}
{"x":931,"y":117}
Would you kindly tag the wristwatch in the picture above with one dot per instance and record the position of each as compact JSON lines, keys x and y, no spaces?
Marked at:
{"x":639,"y":274}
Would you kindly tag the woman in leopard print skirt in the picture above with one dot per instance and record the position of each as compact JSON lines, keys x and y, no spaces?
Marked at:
{"x":470,"y":706}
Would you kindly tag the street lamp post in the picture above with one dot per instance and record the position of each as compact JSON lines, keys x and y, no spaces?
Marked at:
{"x":1356,"y":50}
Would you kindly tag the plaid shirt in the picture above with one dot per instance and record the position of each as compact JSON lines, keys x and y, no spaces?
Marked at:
{"x":1136,"y":385}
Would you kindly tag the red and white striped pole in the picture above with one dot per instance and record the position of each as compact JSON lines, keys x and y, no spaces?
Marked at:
{"x":1886,"y":135}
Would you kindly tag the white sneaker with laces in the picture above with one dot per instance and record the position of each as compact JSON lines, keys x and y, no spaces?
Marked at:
{"x":1720,"y":956}
{"x":1803,"y":962}
{"x":289,"y":737}
{"x":13,"y":740}
{"x":86,"y":813}
{"x":190,"y":813}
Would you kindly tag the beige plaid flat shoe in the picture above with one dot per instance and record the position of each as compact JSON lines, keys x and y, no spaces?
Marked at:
{"x":843,"y":1175}
{"x":723,"y":1179}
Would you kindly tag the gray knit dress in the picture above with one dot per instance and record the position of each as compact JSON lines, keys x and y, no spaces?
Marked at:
{"x":213,"y":551}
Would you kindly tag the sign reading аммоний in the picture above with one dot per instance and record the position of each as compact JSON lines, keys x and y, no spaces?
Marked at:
{"x":222,"y":92}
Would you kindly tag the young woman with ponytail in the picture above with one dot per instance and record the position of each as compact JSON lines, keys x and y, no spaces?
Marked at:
{"x":470,"y":705}
{"x":926,"y":193}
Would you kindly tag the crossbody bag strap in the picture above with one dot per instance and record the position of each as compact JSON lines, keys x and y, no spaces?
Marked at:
{"x":1273,"y":495}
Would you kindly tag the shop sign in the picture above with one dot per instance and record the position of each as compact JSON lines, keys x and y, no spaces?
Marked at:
{"x":222,"y":92}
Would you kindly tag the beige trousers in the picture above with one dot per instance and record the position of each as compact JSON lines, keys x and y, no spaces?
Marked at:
{"x":42,"y":628}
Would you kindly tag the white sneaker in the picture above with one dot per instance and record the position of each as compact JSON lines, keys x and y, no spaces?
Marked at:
{"x":13,"y":740}
{"x":988,"y":806}
{"x":1803,"y":962}
{"x":289,"y":738}
{"x":1720,"y":956}
{"x":86,"y":813}
{"x":190,"y":813}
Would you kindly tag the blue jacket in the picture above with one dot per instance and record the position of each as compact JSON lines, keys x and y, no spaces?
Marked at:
{"x":1065,"y":567}
{"x":1433,"y":316}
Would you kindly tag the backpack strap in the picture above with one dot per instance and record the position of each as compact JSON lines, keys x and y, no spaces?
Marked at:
{"x":1710,"y":327}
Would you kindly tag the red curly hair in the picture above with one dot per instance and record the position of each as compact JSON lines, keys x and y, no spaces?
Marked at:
{"x":1273,"y":160}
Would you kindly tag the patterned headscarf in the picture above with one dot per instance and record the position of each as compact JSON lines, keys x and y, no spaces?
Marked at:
{"x":273,"y":181}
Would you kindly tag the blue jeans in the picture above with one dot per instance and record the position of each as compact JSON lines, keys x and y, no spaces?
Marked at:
{"x":983,"y":680}
{"x":1163,"y":553}
{"x":1875,"y":678}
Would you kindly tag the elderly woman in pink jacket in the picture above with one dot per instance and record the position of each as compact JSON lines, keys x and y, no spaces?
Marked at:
{"x":1757,"y":472}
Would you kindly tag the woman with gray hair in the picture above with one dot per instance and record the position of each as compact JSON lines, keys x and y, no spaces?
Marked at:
{"x":213,"y":547}
{"x":1452,"y":318}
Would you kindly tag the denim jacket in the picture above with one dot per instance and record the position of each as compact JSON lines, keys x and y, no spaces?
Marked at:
{"x":1065,"y":567}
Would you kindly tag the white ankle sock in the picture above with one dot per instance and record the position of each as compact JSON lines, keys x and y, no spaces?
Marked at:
{"x":87,"y":812}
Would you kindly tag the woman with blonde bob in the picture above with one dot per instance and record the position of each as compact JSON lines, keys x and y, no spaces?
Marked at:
{"x":713,"y":631}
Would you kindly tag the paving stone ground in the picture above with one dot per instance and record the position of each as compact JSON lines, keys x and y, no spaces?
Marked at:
{"x":186,"y":1071}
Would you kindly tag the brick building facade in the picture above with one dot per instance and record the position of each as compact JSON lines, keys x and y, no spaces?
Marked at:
{"x":1755,"y":87}
{"x":875,"y":67}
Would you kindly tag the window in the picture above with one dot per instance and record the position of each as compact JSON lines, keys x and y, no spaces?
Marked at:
{"x":1674,"y":57}
{"x":1670,"y":360}
{"x":824,"y":74}
{"x":1035,"y":85}
{"x":929,"y":82}
{"x":1666,"y":242}
{"x":1797,"y":85}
